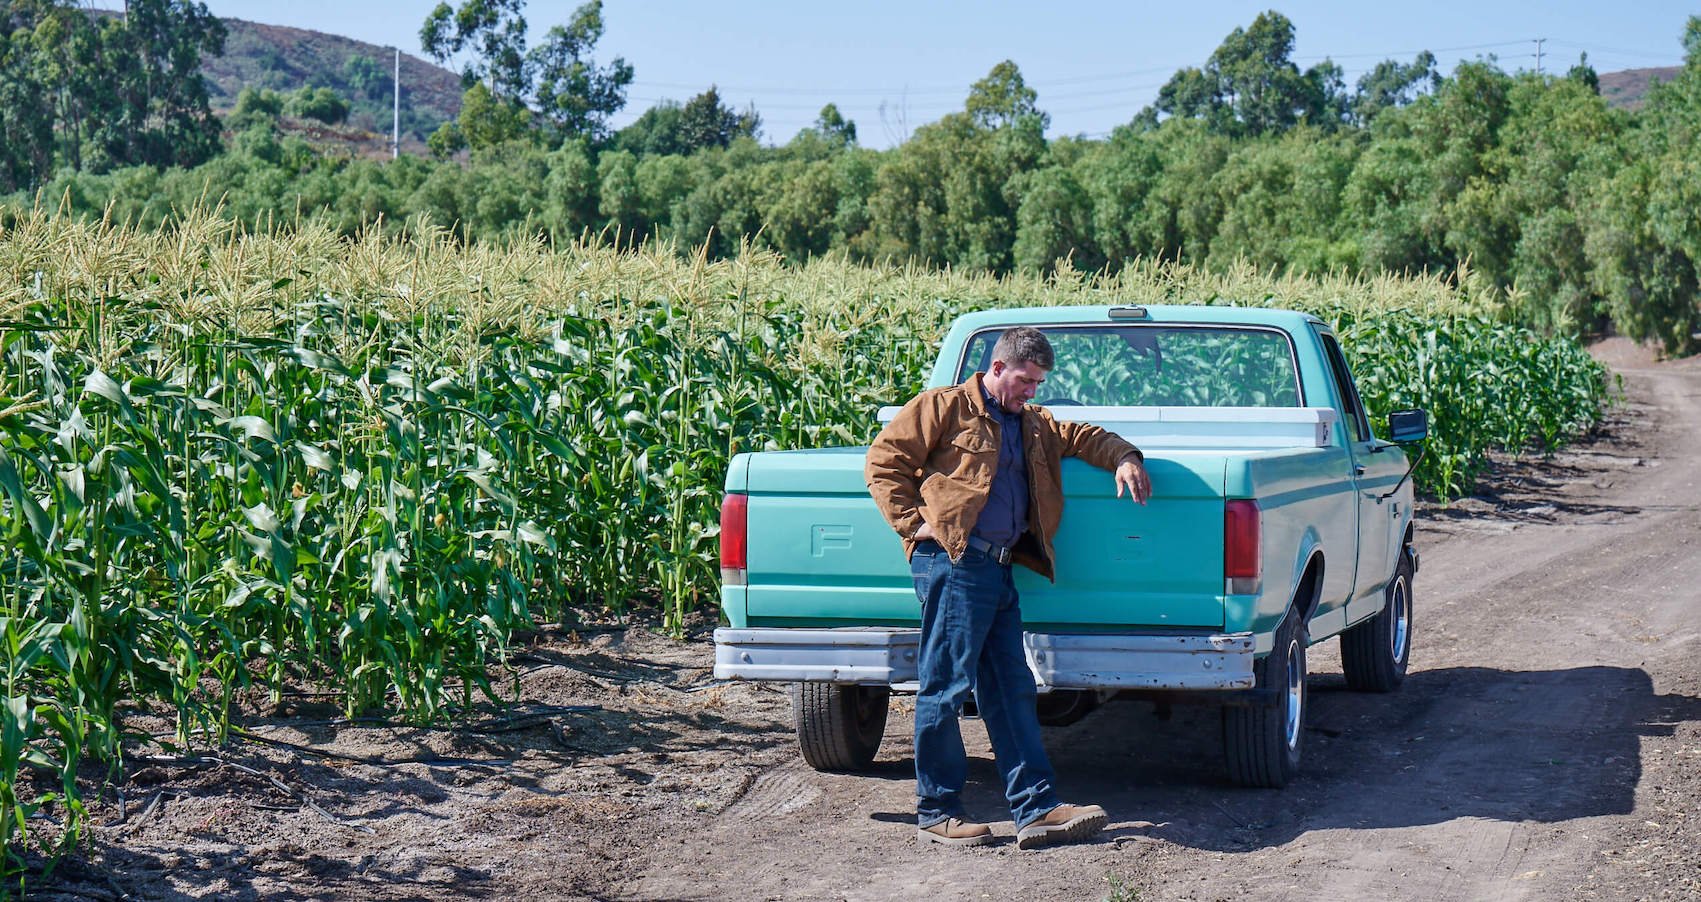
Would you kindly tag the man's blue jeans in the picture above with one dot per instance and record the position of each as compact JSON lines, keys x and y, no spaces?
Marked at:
{"x":971,"y":640}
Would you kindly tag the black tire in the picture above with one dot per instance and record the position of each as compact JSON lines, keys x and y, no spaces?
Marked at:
{"x":1375,"y":653}
{"x":1262,"y":743}
{"x":838,"y":726}
{"x":1062,"y":707}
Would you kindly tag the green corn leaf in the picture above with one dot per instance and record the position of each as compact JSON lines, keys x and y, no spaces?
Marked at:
{"x":14,"y":488}
{"x":314,"y":456}
{"x":101,"y":385}
{"x":252,"y":427}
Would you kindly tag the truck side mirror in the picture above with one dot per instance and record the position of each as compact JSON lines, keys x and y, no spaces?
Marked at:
{"x":1408,"y":425}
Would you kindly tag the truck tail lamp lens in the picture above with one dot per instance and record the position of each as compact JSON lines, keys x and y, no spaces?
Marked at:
{"x":735,"y":539}
{"x":1242,"y":547}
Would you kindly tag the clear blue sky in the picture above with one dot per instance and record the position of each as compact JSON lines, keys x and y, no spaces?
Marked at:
{"x":1094,"y":64}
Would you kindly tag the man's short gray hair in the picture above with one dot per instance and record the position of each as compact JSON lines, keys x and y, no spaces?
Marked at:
{"x":1024,"y":344}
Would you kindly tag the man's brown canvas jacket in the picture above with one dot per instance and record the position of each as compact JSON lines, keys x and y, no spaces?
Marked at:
{"x":934,"y":463}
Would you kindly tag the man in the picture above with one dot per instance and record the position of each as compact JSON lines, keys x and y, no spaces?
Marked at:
{"x":969,"y":476}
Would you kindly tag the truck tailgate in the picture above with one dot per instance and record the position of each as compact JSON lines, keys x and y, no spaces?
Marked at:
{"x":820,"y":554}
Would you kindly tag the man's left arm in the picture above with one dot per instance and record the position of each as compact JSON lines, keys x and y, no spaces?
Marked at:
{"x":1107,"y":451}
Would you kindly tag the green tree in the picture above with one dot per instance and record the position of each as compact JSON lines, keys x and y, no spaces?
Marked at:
{"x":797,"y":210}
{"x":1389,"y":207}
{"x":322,"y":104}
{"x":506,"y":189}
{"x":1280,"y":198}
{"x":26,"y":111}
{"x":66,"y":56}
{"x":834,"y":128}
{"x":487,"y":121}
{"x":663,"y":184}
{"x":1641,"y":233}
{"x":701,"y":123}
{"x":705,"y":121}
{"x":114,"y":90}
{"x":1192,"y":93}
{"x":854,"y":173}
{"x":161,"y":115}
{"x":494,"y":32}
{"x":256,"y":103}
{"x":447,"y":140}
{"x":1393,"y":84}
{"x":1259,"y":81}
{"x":655,"y":132}
{"x":1119,"y":176}
{"x":1584,"y":74}
{"x":573,"y":94}
{"x":368,"y":77}
{"x":1535,"y":183}
{"x":443,"y":198}
{"x":618,"y":199}
{"x":1183,"y":210}
{"x":1250,"y":85}
{"x":570,"y":192}
{"x":1003,"y":98}
{"x":1054,"y":222}
{"x":950,"y":194}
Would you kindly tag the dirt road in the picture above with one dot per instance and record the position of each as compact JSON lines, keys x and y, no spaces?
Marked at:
{"x":1547,"y":744}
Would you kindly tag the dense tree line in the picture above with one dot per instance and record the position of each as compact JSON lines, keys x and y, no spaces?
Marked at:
{"x":1584,"y":213}
{"x":95,"y":92}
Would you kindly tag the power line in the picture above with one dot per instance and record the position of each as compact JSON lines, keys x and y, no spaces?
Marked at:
{"x":741,"y":89}
{"x":1390,"y":54}
{"x":909,"y":90}
{"x":1617,"y":51}
{"x":1044,"y":86}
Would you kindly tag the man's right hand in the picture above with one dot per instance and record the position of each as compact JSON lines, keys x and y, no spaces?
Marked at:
{"x":925,"y":532}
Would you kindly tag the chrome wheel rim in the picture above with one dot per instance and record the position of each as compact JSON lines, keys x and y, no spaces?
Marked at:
{"x":1400,"y":606}
{"x":1296,"y":693}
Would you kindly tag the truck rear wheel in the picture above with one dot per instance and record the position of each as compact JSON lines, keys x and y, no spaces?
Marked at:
{"x":1262,"y":743}
{"x":839,"y":726}
{"x":1374,"y":653}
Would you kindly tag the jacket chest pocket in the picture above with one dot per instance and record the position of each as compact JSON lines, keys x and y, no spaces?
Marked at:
{"x":974,"y":443}
{"x":972,"y":455}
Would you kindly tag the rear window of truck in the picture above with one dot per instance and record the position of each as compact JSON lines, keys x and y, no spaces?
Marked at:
{"x":1155,"y":365}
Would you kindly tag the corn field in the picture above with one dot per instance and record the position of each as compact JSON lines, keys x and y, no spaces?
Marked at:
{"x":232,"y":459}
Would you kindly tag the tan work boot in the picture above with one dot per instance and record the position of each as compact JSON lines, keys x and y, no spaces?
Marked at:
{"x":1063,"y":824}
{"x":954,"y":831}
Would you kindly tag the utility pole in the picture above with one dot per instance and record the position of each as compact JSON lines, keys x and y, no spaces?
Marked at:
{"x":1539,"y":43}
{"x":396,"y":110}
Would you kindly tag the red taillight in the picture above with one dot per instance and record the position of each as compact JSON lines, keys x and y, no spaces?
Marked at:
{"x":1242,"y":538}
{"x":735,"y":533}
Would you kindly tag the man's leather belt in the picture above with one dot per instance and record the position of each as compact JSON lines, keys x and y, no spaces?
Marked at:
{"x":999,"y":553}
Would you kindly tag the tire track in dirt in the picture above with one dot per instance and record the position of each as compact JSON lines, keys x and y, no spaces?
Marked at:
{"x":777,"y":792}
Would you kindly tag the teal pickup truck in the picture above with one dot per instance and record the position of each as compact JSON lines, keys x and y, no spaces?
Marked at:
{"x":1277,"y":520}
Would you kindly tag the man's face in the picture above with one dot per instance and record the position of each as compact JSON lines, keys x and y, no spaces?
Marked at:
{"x":1014,"y":384}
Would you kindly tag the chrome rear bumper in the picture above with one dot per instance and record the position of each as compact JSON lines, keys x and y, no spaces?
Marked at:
{"x":868,"y":655}
{"x":888,"y":657}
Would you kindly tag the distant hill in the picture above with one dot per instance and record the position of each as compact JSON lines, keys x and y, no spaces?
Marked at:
{"x":284,"y":59}
{"x":1627,"y":89}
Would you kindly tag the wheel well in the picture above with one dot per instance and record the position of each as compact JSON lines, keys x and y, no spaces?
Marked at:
{"x":1310,"y":589}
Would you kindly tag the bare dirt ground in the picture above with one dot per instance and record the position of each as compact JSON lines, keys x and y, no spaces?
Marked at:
{"x":1547,"y":744}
